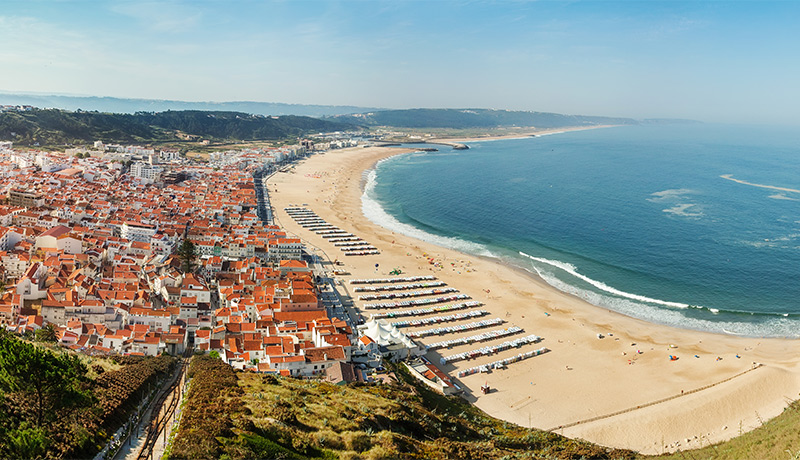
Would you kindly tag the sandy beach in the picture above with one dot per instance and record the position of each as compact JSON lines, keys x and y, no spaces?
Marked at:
{"x":621,"y":390}
{"x":517,"y":134}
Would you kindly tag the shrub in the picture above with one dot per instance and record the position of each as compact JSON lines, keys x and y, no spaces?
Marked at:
{"x":329,"y":439}
{"x":356,"y":440}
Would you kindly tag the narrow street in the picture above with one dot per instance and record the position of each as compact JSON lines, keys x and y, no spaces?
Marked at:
{"x":149,"y":440}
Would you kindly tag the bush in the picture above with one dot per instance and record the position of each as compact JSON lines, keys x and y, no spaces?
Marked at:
{"x":214,"y":401}
{"x":358,"y":441}
{"x":349,"y":455}
{"x":380,"y":453}
{"x":328,"y":439}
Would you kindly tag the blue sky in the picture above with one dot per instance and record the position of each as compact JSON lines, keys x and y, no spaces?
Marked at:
{"x":713,"y":61}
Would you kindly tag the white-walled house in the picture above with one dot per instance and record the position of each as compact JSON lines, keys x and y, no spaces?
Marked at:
{"x":59,"y":238}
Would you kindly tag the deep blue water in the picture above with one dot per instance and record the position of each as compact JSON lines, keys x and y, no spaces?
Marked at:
{"x":636,"y":219}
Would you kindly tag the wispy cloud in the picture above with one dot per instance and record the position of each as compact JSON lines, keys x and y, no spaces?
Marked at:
{"x":161,"y":16}
{"x":672,"y":26}
{"x":31,"y":42}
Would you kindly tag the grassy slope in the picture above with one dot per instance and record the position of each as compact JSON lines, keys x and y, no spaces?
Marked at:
{"x":289,"y":418}
{"x":404,"y":421}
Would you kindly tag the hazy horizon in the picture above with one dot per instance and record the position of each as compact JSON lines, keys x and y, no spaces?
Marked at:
{"x":724,"y":62}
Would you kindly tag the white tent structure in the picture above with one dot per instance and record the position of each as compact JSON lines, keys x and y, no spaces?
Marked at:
{"x":391,"y":341}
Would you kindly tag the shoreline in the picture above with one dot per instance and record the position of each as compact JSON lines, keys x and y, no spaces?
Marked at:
{"x":521,"y":135}
{"x":583,"y":377}
{"x":705,"y":323}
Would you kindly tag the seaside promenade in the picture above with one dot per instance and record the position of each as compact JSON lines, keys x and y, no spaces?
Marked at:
{"x":607,"y":378}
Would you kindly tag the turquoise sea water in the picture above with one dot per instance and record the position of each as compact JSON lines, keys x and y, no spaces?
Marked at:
{"x":635,"y":219}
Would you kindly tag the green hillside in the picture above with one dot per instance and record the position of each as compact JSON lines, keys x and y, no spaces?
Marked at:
{"x":60,"y":127}
{"x":59,"y":404}
{"x":241,"y":415}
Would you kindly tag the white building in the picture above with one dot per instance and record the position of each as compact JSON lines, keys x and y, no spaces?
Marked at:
{"x":161,"y":243}
{"x":145,"y":172}
{"x":59,"y":237}
{"x":135,"y":231}
{"x":285,"y":249}
{"x":49,"y":163}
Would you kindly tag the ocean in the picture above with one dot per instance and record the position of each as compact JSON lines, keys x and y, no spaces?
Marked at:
{"x":695,"y":226}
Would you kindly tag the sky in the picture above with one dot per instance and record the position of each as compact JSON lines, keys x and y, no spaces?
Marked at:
{"x":715,"y":61}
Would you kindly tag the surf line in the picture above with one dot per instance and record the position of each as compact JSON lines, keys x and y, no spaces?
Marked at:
{"x":572,"y":270}
{"x":771,"y":187}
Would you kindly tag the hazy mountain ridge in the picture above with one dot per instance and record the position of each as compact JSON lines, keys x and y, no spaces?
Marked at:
{"x":130,"y":106}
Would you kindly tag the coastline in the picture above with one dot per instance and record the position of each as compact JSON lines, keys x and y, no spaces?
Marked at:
{"x":521,"y":135}
{"x":583,"y":377}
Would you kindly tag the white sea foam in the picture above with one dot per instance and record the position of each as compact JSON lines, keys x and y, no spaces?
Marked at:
{"x":572,"y":270}
{"x":781,"y":196}
{"x":647,"y":310}
{"x":671,"y":194}
{"x":771,"y":187}
{"x":777,"y":242}
{"x":682,"y":210}
{"x":377,"y":215}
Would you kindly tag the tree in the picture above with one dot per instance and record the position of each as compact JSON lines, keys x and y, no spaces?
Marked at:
{"x":187,"y":253}
{"x":25,"y":442}
{"x":47,"y":334}
{"x":50,"y":382}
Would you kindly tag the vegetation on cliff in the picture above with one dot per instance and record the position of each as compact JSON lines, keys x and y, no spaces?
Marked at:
{"x":240,"y":415}
{"x":59,"y":127}
{"x":57,"y":404}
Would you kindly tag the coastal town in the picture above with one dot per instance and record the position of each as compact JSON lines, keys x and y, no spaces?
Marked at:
{"x":399,"y":230}
{"x":268,"y":258}
{"x":88,"y":249}
{"x":130,"y":250}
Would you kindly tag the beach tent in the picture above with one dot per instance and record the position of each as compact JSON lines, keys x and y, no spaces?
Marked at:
{"x":386,"y":334}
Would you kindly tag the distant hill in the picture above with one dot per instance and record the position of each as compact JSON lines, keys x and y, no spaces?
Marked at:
{"x":122,"y":105}
{"x":59,"y":127}
{"x":474,"y":118}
